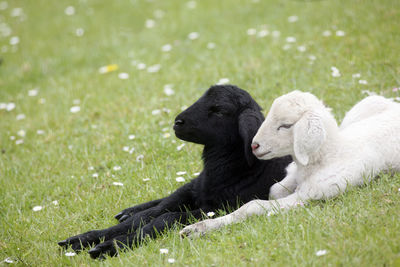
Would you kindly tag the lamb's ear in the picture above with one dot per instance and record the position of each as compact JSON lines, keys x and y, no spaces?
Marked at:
{"x":309,"y":135}
{"x":249,"y":122}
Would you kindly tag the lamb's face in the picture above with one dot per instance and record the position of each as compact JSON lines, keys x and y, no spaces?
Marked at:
{"x":295,"y":126}
{"x":212,"y":119}
{"x":275,"y":136}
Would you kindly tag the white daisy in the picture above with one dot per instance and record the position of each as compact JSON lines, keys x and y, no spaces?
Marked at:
{"x":10,"y":106}
{"x":69,"y":11}
{"x":327,"y":33}
{"x":21,"y":133}
{"x":191,"y":4}
{"x":210,"y":214}
{"x":14,"y":40}
{"x":150,"y":23}
{"x":16,"y":12}
{"x":79,"y":32}
{"x":154,"y":68}
{"x":163,"y":250}
{"x":335,"y":72}
{"x":3,"y":5}
{"x":251,"y":31}
{"x":141,"y":66}
{"x":33,"y":92}
{"x":193,"y":35}
{"x":312,"y":57}
{"x":321,"y":252}
{"x":75,"y":109}
{"x":123,"y":75}
{"x":211,"y":45}
{"x":179,"y":148}
{"x":20,"y":117}
{"x":139,"y":158}
{"x":340,"y":33}
{"x":158,"y":13}
{"x":180,"y":179}
{"x":19,"y":142}
{"x":156,"y":112}
{"x":9,"y":260}
{"x":362,"y":82}
{"x":168,"y":90}
{"x":262,"y":33}
{"x":293,"y":19}
{"x":37,"y":208}
{"x":291,"y":39}
{"x":70,"y":254}
{"x":223,"y":81}
{"x":301,"y":48}
{"x":117,"y":168}
{"x":166,"y":48}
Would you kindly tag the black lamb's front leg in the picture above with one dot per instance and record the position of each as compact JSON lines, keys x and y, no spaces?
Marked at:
{"x":181,"y":198}
{"x":126,"y":213}
{"x":94,"y":237}
{"x":177,"y":201}
{"x":158,"y":225}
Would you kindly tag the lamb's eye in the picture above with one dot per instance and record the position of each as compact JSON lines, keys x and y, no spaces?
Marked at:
{"x":285,"y":126}
{"x":216,"y":110}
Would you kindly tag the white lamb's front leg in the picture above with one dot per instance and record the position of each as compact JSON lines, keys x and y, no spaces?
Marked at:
{"x":287,"y":186}
{"x":255,"y":207}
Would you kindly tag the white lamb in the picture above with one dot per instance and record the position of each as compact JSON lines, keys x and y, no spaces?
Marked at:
{"x":326,"y":159}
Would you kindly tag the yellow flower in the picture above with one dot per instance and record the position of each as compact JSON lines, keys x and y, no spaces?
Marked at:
{"x":108,"y":68}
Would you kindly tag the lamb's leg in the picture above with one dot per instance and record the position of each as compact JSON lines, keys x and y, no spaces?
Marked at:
{"x":94,"y":237}
{"x":178,"y":200}
{"x":126,"y":213}
{"x":287,"y":186}
{"x":158,"y":225}
{"x":182,"y":197}
{"x":255,"y":207}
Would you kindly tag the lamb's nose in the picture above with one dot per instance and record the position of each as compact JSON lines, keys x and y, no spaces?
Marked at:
{"x":179,"y":122}
{"x":254,"y":146}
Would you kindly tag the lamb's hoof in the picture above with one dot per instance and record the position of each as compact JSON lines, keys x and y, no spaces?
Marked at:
{"x":194,"y":230}
{"x":119,"y":215}
{"x":82,"y":241}
{"x":123,"y":218}
{"x":63,"y":243}
{"x":103,"y":249}
{"x":95,"y":252}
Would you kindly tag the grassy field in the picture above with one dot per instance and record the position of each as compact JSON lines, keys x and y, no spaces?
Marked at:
{"x":66,"y":159}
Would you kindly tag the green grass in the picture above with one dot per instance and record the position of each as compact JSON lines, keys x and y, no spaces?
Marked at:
{"x":359,"y":228}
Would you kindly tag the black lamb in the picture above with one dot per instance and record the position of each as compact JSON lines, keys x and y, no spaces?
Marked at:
{"x":224,"y":120}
